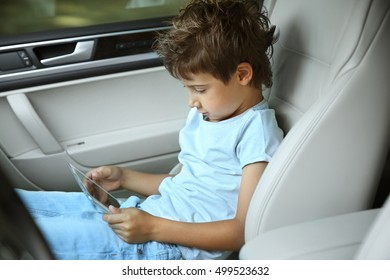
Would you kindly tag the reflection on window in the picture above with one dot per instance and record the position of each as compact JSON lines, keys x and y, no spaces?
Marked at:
{"x":25,"y":16}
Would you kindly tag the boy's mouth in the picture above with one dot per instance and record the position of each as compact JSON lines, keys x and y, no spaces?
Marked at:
{"x":205,"y":115}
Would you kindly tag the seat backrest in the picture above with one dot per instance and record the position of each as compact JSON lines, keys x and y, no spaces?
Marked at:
{"x":331,"y":93}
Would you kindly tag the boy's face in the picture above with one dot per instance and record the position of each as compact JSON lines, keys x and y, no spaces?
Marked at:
{"x":218,"y":101}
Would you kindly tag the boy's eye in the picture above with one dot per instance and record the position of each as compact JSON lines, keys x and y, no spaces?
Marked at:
{"x":196,"y":90}
{"x":199,"y":90}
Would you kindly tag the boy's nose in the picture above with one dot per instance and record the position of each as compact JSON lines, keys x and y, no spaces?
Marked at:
{"x":193,"y":102}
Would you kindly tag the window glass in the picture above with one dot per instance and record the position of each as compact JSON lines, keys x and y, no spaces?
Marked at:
{"x":27,"y":16}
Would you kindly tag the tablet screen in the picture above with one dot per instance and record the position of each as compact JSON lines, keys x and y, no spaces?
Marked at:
{"x":96,"y":193}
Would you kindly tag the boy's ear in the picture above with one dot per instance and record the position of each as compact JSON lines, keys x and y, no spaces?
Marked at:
{"x":245,"y":73}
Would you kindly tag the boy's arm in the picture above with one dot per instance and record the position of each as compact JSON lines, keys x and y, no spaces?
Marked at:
{"x":115,"y":177}
{"x":142,"y":183}
{"x":135,"y":226}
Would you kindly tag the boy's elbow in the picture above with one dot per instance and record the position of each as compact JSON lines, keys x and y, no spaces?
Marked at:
{"x":239,"y":236}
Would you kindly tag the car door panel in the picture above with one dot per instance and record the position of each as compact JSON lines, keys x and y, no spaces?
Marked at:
{"x":91,"y":96}
{"x":131,"y":118}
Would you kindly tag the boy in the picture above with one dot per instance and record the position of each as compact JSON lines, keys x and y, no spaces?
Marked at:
{"x":218,"y":49}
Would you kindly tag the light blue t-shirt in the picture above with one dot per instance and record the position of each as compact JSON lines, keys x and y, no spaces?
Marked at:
{"x":213,"y":155}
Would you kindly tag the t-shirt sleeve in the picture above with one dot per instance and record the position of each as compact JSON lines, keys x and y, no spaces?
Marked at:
{"x":259,"y":139}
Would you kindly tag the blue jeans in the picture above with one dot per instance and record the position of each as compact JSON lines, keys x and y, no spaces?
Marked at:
{"x":74,"y":229}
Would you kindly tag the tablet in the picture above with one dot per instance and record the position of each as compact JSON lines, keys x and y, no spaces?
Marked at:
{"x":96,"y":194}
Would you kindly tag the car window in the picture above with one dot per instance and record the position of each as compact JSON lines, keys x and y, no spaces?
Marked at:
{"x":49,"y":41}
{"x":26,"y":16}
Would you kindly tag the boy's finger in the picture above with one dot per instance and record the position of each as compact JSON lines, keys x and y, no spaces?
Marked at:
{"x":101,"y":173}
{"x":114,"y":210}
{"x":115,"y":216}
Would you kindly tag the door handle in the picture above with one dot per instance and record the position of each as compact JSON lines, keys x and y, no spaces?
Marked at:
{"x":83,"y":51}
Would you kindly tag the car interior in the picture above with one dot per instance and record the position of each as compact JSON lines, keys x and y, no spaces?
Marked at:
{"x":110,"y":101}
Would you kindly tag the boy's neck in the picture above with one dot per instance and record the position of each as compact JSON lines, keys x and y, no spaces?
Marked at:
{"x":254,"y":96}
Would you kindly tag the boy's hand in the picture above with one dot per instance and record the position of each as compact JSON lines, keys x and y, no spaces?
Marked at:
{"x":109,"y":177}
{"x":131,"y":224}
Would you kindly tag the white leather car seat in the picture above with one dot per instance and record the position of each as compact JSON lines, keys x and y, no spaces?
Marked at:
{"x":360,"y":235}
{"x":331,"y":93}
{"x":376,"y":243}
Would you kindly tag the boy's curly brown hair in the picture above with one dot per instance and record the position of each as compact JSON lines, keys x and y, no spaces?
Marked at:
{"x":214,"y":36}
